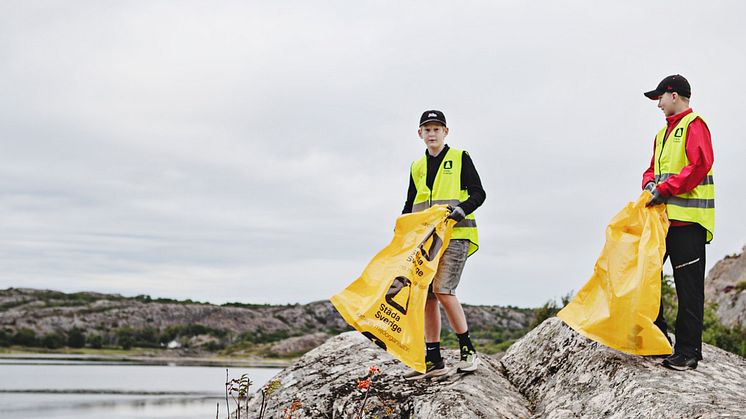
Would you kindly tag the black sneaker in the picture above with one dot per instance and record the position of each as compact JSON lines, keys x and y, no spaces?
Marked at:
{"x":680,"y":362}
{"x":433,"y":370}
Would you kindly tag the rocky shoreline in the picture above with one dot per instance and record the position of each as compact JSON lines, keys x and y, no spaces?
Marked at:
{"x":214,"y":361}
{"x":552,"y":372}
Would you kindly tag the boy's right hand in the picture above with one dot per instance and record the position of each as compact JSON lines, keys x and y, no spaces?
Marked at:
{"x":456,"y":214}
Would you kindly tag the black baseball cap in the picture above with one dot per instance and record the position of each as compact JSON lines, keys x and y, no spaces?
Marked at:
{"x":433,"y":116}
{"x":676,"y":83}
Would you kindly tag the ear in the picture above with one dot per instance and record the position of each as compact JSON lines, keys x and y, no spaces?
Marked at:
{"x":419,"y":132}
{"x":445,"y":131}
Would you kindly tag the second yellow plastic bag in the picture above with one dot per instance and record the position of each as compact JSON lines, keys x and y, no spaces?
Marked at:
{"x":618,"y":305}
{"x":387,"y":302}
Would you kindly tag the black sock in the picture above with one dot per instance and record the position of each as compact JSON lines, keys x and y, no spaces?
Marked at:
{"x":464,"y":343}
{"x":432,"y":352}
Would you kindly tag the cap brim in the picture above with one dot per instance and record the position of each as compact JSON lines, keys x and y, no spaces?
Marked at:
{"x":653,"y":94}
{"x":427,"y":121}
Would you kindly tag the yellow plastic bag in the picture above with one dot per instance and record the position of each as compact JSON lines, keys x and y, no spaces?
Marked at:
{"x":618,"y":305}
{"x":387,"y":302}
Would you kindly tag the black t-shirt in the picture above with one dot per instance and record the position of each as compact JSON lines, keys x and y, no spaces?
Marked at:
{"x":469,"y":181}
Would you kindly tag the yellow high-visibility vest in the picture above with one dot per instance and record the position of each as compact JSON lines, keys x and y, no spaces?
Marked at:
{"x":446,"y":190}
{"x":697,"y":205}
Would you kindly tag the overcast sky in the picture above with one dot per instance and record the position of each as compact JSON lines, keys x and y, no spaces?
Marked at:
{"x":259,"y":151}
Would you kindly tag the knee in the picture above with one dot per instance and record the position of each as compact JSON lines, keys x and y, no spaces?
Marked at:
{"x":447,"y":299}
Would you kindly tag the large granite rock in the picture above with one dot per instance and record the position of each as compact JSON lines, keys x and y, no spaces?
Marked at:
{"x":552,"y":372}
{"x":325,"y":382}
{"x":564,"y":375}
{"x":722,"y":287}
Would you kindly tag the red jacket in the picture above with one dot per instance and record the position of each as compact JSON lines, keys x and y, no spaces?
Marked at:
{"x":699,"y":153}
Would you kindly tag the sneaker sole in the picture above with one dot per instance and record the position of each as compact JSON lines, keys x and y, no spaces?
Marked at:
{"x":436,"y":373}
{"x":679,"y":368}
{"x":433,"y":373}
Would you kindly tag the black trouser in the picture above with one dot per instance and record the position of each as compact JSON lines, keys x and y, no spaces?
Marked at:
{"x":685,"y":246}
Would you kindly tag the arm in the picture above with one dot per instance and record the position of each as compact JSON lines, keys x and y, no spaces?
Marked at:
{"x":411,"y":194}
{"x":471,"y":182}
{"x":700,"y":155}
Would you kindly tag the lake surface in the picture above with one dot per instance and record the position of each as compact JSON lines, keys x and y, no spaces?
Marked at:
{"x":86,"y":390}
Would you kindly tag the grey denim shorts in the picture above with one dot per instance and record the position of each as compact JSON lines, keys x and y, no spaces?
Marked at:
{"x":450,"y":267}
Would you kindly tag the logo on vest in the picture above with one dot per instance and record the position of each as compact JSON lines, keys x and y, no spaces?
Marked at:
{"x":448,"y":164}
{"x":677,"y":134}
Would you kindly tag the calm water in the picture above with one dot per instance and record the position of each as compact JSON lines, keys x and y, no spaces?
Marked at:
{"x":86,"y":390}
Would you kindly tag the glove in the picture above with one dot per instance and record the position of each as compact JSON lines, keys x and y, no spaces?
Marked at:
{"x":650,"y":186}
{"x":656,"y":199}
{"x":456,"y":214}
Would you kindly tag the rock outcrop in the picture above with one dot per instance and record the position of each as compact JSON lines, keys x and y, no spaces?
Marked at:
{"x":564,"y":375}
{"x":290,"y":329}
{"x":552,"y":372}
{"x":726,"y":285}
{"x":323,"y":384}
{"x":47,"y":311}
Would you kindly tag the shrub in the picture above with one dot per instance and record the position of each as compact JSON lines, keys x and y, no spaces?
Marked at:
{"x":731,"y":339}
{"x":5,"y":338}
{"x":24,"y":337}
{"x":53,"y":340}
{"x":95,"y":341}
{"x":549,"y":309}
{"x":75,"y":338}
{"x":125,"y":337}
{"x":147,"y":337}
{"x":260,"y":336}
{"x":188,"y":330}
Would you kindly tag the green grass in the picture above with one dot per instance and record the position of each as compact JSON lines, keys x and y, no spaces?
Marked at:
{"x":11,"y":350}
{"x":741,"y":286}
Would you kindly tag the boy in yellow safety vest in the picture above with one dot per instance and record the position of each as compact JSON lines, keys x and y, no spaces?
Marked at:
{"x":446,"y":175}
{"x":680,"y":176}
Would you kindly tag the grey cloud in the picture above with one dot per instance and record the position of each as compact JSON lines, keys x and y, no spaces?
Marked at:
{"x":162,"y":148}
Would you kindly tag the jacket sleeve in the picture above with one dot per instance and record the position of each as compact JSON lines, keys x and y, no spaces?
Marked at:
{"x":471,"y":182}
{"x":700,"y":155}
{"x":411,"y":194}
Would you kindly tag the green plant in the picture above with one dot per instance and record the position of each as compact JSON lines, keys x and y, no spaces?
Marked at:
{"x":95,"y":341}
{"x":75,"y":338}
{"x":714,"y":332}
{"x":267,"y":392}
{"x":24,"y":337}
{"x":549,"y":309}
{"x":5,"y":338}
{"x":238,"y":389}
{"x":741,"y":286}
{"x":125,"y":337}
{"x":188,"y":330}
{"x":53,"y":340}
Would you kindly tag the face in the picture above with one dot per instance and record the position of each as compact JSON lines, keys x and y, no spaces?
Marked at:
{"x":434,"y":135}
{"x":667,"y":103}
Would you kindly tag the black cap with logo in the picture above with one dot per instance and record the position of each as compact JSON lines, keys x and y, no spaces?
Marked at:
{"x":433,"y":116}
{"x":676,"y":83}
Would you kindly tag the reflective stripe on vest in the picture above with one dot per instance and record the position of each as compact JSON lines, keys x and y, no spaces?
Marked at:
{"x":446,"y":191}
{"x":697,"y":205}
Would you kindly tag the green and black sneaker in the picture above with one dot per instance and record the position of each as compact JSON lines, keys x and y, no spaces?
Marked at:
{"x":469,"y":361}
{"x":432,"y":370}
